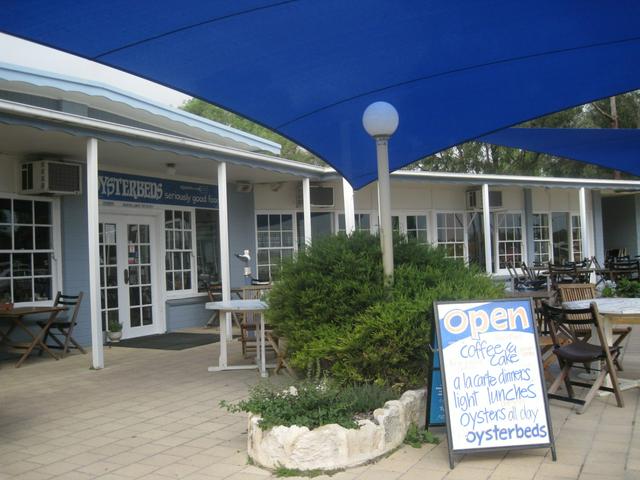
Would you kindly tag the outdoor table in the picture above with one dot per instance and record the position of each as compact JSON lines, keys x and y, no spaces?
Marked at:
{"x":240,"y":306}
{"x":613,"y":311}
{"x":17,"y":318}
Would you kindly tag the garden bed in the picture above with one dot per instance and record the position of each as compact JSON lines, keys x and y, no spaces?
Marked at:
{"x":333,"y":447}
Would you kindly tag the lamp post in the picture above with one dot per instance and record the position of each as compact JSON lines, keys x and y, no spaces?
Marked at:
{"x":380,"y":120}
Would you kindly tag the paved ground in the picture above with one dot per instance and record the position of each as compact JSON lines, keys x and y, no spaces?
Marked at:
{"x":154,"y":414}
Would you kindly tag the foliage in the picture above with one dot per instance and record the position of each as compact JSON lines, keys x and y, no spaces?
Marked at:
{"x":624,"y":288}
{"x":330,"y":303}
{"x":289,"y":149}
{"x":311,"y":404}
{"x":294,"y":472}
{"x":115,"y":326}
{"x":416,"y":437}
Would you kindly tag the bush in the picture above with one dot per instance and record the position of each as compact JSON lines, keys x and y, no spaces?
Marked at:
{"x":311,"y":404}
{"x":624,"y":288}
{"x":331,"y":305}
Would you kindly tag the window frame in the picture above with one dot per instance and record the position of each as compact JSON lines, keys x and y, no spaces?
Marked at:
{"x":56,"y":251}
{"x":464,"y":242}
{"x":294,"y":223}
{"x":182,"y":293}
{"x":402,"y":222}
{"x":571,"y":214}
{"x":371,"y":214}
{"x":496,"y":239}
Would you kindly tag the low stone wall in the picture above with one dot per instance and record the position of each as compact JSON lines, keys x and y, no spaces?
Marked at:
{"x":332,"y":447}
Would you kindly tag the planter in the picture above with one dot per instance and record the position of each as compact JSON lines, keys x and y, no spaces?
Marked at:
{"x":332,"y":447}
{"x":114,"y":337}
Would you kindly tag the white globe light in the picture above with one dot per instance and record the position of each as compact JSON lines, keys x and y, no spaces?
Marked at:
{"x":380,"y":119}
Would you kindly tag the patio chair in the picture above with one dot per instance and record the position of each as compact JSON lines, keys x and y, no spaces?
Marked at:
{"x":586,"y":291}
{"x":61,"y":330}
{"x":249,"y":321}
{"x":563,"y":325}
{"x":561,"y":274}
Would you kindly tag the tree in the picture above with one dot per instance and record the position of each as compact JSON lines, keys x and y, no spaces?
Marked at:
{"x":289,"y":149}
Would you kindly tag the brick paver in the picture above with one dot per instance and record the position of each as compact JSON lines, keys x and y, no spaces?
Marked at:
{"x":154,"y":414}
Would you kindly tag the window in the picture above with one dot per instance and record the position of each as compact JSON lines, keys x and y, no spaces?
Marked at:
{"x":541,"y":245}
{"x":26,"y":250}
{"x":576,"y":238}
{"x":321,"y":226}
{"x":417,"y":228}
{"x":560,"y":232}
{"x":275,"y":241}
{"x":509,"y":238}
{"x":450,"y":228}
{"x":178,"y":232}
{"x":208,"y":248}
{"x":363,"y":222}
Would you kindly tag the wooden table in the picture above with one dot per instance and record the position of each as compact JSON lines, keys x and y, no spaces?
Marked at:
{"x":624,"y":311}
{"x":16,"y":317}
{"x":240,"y":306}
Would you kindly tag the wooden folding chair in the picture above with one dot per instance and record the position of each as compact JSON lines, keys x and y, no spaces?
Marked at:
{"x":587,"y":291}
{"x":60,"y":331}
{"x":563,"y":324}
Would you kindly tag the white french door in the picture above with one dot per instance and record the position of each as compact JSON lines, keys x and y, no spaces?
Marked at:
{"x":129,"y":274}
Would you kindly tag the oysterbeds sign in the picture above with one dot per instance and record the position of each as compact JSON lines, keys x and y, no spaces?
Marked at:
{"x":134,"y":188}
{"x":494,"y":393}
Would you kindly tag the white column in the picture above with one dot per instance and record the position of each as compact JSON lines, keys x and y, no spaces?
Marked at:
{"x":486,"y":228}
{"x":225,"y":276}
{"x":349,"y":207}
{"x":97,"y":351}
{"x":306,"y":208}
{"x":586,"y":244}
{"x":384,"y":207}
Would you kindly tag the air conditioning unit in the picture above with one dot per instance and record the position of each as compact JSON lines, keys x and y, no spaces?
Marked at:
{"x":321,"y":196}
{"x":52,"y":177}
{"x":474,"y":200}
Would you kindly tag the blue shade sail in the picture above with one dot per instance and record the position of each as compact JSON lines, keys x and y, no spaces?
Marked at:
{"x":309,"y":68}
{"x":610,"y":148}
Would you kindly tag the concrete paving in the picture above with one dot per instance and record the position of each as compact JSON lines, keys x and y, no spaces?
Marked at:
{"x":154,"y":414}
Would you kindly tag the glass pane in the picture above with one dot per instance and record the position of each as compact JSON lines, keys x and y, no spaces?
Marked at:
{"x":22,"y":211}
{"x":145,"y":256}
{"x":144,"y":233}
{"x":177,"y":281}
{"x":560,"y":226}
{"x":43,"y":238}
{"x":132,"y":233}
{"x":23,"y":238}
{"x":5,"y":291}
{"x":134,"y":317}
{"x":113,"y":316}
{"x":5,"y":210}
{"x":263,"y":256}
{"x":112,"y":277}
{"x":187,"y":241}
{"x":134,"y":278}
{"x":134,"y":296}
{"x":169,"y":282}
{"x":177,"y":261}
{"x":186,"y":261}
{"x":263,"y":222}
{"x":110,"y":233}
{"x":411,"y":222}
{"x":42,"y":264}
{"x":112,"y":258}
{"x":146,"y":316}
{"x":177,"y":239}
{"x":186,"y":276}
{"x":422,"y":236}
{"x":102,"y":299}
{"x":287,"y":222}
{"x":112,"y":297}
{"x":146,"y":295}
{"x":274,"y":222}
{"x":145,"y":275}
{"x":5,"y":265}
{"x":168,"y":219}
{"x":168,"y":265}
{"x":42,"y":213}
{"x":21,"y":264}
{"x":168,"y":236}
{"x":186,"y":219}
{"x":341,"y":224}
{"x":275,"y":239}
{"x":422,"y":222}
{"x":177,"y":219}
{"x":263,"y":239}
{"x":42,"y":288}
{"x":287,"y":239}
{"x":207,"y":240}
{"x":5,"y":237}
{"x":22,"y":290}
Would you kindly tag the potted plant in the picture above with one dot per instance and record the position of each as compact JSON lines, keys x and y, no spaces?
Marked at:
{"x":115,"y":331}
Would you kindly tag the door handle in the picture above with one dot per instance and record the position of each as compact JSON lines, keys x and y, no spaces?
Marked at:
{"x":126,"y":276}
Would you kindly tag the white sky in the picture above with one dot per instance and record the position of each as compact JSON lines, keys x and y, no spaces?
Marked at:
{"x":20,"y":52}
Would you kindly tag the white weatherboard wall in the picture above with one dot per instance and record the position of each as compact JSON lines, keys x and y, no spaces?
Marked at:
{"x":9,"y":176}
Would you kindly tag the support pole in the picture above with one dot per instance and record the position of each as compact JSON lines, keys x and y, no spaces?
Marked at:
{"x":97,"y":351}
{"x":486,"y":227}
{"x":349,"y":208}
{"x":225,"y":276}
{"x":586,"y":244}
{"x":384,"y":207}
{"x":306,"y":207}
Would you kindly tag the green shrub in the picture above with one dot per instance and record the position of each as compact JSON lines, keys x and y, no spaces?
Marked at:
{"x":417,"y":437}
{"x":311,"y":404}
{"x":331,"y":305}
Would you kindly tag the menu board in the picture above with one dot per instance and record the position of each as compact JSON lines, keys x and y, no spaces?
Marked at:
{"x":494,"y":392}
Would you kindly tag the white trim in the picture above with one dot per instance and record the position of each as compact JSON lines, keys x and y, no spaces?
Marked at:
{"x":306,"y":210}
{"x":225,"y":272}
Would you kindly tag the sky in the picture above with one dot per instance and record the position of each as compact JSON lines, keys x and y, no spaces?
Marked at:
{"x":20,"y":52}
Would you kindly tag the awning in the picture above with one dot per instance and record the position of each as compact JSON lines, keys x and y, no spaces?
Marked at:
{"x":308,"y":69}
